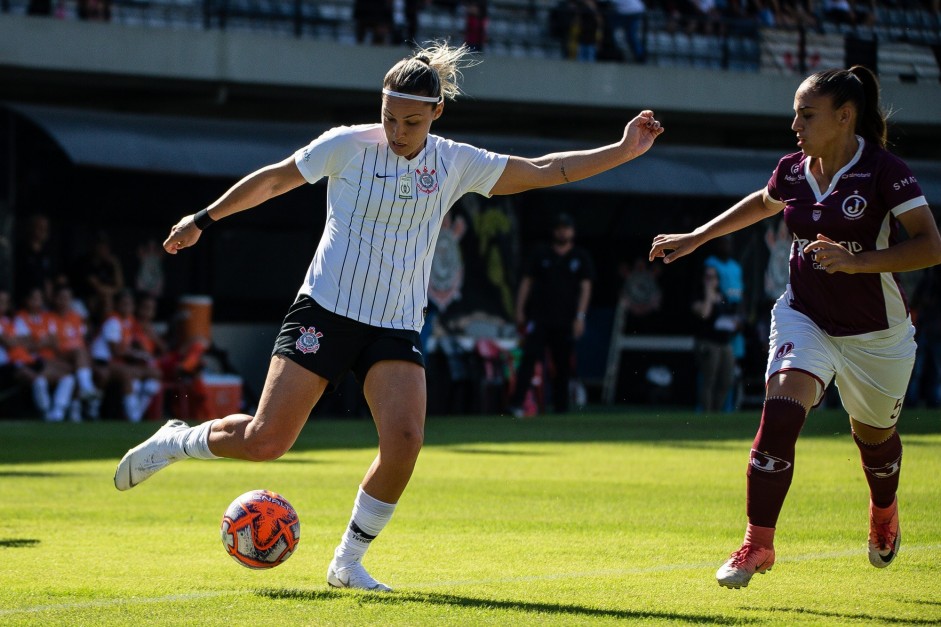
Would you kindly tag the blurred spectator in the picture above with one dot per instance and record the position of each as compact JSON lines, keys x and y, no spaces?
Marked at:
{"x":732,"y":286}
{"x":35,"y":264}
{"x":123,"y":361}
{"x":475,"y":26}
{"x":551,"y":306}
{"x":72,"y":348}
{"x":150,"y":271}
{"x":373,"y":18}
{"x":98,"y":277}
{"x":51,"y":378}
{"x":717,"y":322}
{"x":777,"y":272}
{"x":11,"y":376}
{"x":925,"y":384}
{"x":563,"y":26}
{"x":39,"y":7}
{"x":795,"y":13}
{"x":97,"y":10}
{"x":628,"y":16}
{"x":412,"y":8}
{"x":590,"y":26}
{"x":641,"y":295}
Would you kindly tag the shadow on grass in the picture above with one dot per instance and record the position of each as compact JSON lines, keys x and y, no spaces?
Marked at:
{"x":17,"y":543}
{"x":31,"y":474}
{"x":870,"y":619}
{"x":37,"y":442}
{"x":434,"y":598}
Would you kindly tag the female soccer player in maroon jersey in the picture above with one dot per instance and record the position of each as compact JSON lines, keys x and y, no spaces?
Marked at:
{"x":843,"y":316}
{"x":359,"y":309}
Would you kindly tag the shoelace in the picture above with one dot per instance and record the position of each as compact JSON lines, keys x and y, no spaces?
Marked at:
{"x":881,"y":535}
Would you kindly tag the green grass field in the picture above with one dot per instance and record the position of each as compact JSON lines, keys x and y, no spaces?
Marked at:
{"x":594,"y":519}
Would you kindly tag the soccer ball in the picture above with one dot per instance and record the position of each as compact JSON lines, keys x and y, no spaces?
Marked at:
{"x":260,"y":529}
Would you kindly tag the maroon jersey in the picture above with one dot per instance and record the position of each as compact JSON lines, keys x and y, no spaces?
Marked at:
{"x":860,"y":211}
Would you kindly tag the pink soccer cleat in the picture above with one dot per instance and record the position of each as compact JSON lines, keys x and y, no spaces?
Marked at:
{"x":748,"y":560}
{"x":884,"y":534}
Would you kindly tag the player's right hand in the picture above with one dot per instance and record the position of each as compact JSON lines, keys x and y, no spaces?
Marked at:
{"x":183,"y":235}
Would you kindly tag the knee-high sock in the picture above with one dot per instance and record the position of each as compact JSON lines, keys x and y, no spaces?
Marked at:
{"x":882,"y":464}
{"x":771,"y":463}
{"x":369,"y":517}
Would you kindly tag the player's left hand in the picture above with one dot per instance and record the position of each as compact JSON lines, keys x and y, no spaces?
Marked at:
{"x":831,"y":256}
{"x":640,"y":133}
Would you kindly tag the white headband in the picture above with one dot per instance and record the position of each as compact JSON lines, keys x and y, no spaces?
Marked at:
{"x":398,"y":94}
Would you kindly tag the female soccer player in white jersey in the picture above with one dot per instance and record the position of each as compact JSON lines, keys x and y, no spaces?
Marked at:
{"x":360,"y":306}
{"x":843,"y":316}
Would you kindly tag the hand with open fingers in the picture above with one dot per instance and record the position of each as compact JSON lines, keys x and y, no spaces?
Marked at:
{"x":831,"y":256}
{"x":184,"y":234}
{"x":641,"y":132}
{"x":673,"y":246}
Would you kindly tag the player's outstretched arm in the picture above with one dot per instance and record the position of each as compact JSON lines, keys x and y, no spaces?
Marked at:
{"x":754,"y":207}
{"x":566,"y":167}
{"x":251,"y":191}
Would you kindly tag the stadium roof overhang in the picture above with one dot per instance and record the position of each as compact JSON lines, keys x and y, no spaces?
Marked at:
{"x":232,"y":148}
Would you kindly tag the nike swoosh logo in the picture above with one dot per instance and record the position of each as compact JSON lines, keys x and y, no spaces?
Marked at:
{"x":415,"y":350}
{"x":384,"y":176}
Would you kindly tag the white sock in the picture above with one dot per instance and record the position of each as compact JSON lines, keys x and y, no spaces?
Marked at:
{"x":148,"y":389}
{"x":63,"y":396}
{"x":131,"y":408}
{"x":369,"y":518}
{"x":41,"y":395}
{"x":195,"y":441}
{"x":85,"y":383}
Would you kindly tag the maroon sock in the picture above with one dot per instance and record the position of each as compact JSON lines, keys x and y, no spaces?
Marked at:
{"x":771,"y":464}
{"x":881,"y":463}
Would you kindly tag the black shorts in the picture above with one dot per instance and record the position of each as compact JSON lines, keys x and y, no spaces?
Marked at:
{"x":330,"y":345}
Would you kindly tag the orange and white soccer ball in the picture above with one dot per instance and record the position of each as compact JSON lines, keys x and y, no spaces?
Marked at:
{"x":260,"y":529}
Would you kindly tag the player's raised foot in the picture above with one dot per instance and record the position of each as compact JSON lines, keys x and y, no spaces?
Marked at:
{"x":354,"y":576}
{"x":153,"y":454}
{"x":741,"y":565}
{"x":884,"y":534}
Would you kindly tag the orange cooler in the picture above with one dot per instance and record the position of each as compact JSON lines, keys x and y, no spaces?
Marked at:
{"x":197,"y":317}
{"x":223,"y":394}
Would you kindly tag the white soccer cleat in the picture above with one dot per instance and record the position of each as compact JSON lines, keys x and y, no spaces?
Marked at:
{"x":884,"y":534}
{"x":153,"y":454}
{"x":743,"y":564}
{"x":353,"y":576}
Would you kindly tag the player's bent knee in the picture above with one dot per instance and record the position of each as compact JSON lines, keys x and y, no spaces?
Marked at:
{"x":406,"y":441}
{"x":261,"y":450}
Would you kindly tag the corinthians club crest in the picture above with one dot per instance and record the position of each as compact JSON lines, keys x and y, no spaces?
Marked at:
{"x":309,"y":341}
{"x":427,"y":182}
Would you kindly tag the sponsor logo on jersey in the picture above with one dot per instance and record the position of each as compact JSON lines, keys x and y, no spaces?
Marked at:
{"x":767,"y":463}
{"x":309,"y":341}
{"x":856,"y":175}
{"x":796,"y":168}
{"x":911,"y":180}
{"x":854,"y":206}
{"x":427,"y":182}
{"x":783,"y":350}
{"x":816,"y":215}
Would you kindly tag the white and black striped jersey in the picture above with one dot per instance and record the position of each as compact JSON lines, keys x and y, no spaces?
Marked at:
{"x":384,"y":213}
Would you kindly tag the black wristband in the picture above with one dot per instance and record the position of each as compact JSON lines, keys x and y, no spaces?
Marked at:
{"x":202,"y":219}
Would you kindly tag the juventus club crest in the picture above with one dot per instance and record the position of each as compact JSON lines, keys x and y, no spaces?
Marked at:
{"x":309,"y":341}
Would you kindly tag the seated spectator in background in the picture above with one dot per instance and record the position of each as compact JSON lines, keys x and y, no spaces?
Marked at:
{"x":121,"y":360}
{"x":10,"y":372}
{"x":98,"y":277}
{"x":35,"y":263}
{"x":717,"y":321}
{"x":72,"y":348}
{"x":590,"y":30}
{"x":641,"y":295}
{"x":373,"y":18}
{"x":795,"y":13}
{"x":99,"y":10}
{"x":51,"y":378}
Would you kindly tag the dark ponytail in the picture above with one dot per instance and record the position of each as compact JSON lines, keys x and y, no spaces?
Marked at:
{"x":859,"y":86}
